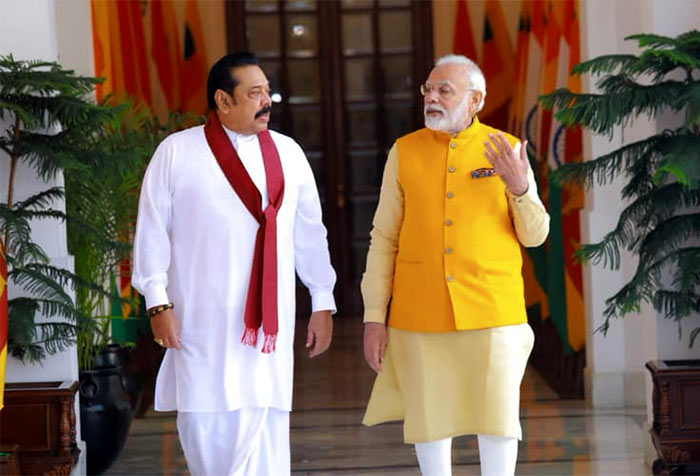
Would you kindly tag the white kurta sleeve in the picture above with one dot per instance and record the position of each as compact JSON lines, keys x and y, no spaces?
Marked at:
{"x":152,"y":239}
{"x":311,"y":256}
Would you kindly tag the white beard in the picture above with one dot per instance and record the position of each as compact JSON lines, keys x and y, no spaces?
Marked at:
{"x":450,"y":121}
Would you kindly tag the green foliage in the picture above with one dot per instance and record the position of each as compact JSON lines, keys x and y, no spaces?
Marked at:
{"x":51,"y":123}
{"x":104,"y":196}
{"x":661,"y":220}
{"x":622,"y":99}
{"x":102,"y":150}
{"x":49,"y":115}
{"x":48,"y":119}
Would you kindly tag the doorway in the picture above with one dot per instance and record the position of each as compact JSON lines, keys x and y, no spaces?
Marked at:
{"x":344,"y":78}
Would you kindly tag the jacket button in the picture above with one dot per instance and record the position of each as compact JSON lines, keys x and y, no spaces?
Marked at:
{"x":450,"y":194}
{"x":453,"y":145}
{"x":450,"y":278}
{"x":448,"y":250}
{"x":451,"y":169}
{"x":448,"y":222}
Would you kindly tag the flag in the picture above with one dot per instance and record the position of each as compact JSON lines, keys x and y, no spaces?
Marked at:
{"x":194,"y":67}
{"x":537,"y":290}
{"x":3,"y":322}
{"x":121,"y":58}
{"x":120,"y":50}
{"x":532,"y":110}
{"x":573,"y":194}
{"x":102,"y":12}
{"x":516,"y":116}
{"x":463,"y":42}
{"x":549,"y":76}
{"x":120,"y":312}
{"x":165,"y":50}
{"x":564,"y":145}
{"x":497,"y":66}
{"x":525,"y":113}
{"x":134,"y":66}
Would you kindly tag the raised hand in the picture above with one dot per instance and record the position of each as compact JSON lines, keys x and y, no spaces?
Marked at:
{"x":511,"y":164}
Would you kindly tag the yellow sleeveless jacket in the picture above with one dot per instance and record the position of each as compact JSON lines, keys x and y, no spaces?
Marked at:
{"x":459,"y":264}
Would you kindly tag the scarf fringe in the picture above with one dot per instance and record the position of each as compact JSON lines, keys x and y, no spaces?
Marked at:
{"x":250,"y":337}
{"x":269,"y":344}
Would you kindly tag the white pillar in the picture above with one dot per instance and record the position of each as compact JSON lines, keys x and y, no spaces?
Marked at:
{"x":28,"y":32}
{"x":50,"y":30}
{"x":615,"y":373}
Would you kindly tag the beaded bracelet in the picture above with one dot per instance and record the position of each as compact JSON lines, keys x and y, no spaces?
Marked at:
{"x":154,"y":311}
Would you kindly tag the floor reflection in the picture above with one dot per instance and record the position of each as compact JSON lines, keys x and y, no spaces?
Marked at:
{"x":561,"y":437}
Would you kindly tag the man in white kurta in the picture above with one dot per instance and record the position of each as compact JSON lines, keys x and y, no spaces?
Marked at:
{"x":194,"y":248}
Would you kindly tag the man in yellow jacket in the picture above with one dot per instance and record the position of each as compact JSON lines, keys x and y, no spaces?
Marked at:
{"x":457,"y":200}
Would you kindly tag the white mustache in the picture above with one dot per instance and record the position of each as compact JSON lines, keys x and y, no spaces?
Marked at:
{"x":434,"y":107}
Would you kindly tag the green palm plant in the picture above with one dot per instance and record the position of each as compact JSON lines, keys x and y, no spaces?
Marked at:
{"x":102,"y":150}
{"x":105,"y":195}
{"x":661,"y":220}
{"x":49,"y":119}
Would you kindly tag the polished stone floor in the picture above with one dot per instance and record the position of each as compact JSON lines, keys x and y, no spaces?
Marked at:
{"x":561,"y":437}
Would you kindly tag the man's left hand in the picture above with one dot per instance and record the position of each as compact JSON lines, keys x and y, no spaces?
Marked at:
{"x":510,"y":164}
{"x":320,"y":332}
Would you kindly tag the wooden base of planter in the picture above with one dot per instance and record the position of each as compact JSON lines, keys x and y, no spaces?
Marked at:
{"x":39,"y":418}
{"x":676,"y":428}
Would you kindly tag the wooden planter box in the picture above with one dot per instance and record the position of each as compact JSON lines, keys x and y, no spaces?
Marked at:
{"x":676,"y":401}
{"x":39,"y":418}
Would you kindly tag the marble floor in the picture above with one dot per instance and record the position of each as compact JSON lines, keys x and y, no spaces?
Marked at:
{"x":561,"y":437}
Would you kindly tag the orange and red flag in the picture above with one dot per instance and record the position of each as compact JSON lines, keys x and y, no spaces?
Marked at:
{"x":497,"y":65}
{"x":463,"y":41}
{"x":165,"y":50}
{"x":194,"y":67}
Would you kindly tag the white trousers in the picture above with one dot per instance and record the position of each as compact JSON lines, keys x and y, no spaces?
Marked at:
{"x":497,"y":455}
{"x":245,"y":442}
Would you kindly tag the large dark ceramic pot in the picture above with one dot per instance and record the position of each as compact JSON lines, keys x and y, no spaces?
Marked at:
{"x":116,"y":355}
{"x":105,"y":416}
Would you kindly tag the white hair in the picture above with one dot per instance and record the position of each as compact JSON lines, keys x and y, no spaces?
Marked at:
{"x":476,"y":77}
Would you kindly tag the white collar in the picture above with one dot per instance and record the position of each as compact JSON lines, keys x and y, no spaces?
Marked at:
{"x":237,"y":137}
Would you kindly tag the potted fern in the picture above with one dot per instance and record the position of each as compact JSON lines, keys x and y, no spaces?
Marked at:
{"x":105,"y":195}
{"x":102,"y":195}
{"x":47,"y":121}
{"x":102,"y":151}
{"x":661,"y":220}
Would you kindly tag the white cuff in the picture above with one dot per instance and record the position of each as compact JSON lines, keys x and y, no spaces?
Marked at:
{"x":323,"y":301}
{"x":156,"y":296}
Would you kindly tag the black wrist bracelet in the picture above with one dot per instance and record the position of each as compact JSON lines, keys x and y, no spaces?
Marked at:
{"x":158,"y":309}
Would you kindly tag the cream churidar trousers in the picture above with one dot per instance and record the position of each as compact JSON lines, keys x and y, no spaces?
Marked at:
{"x":245,"y":442}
